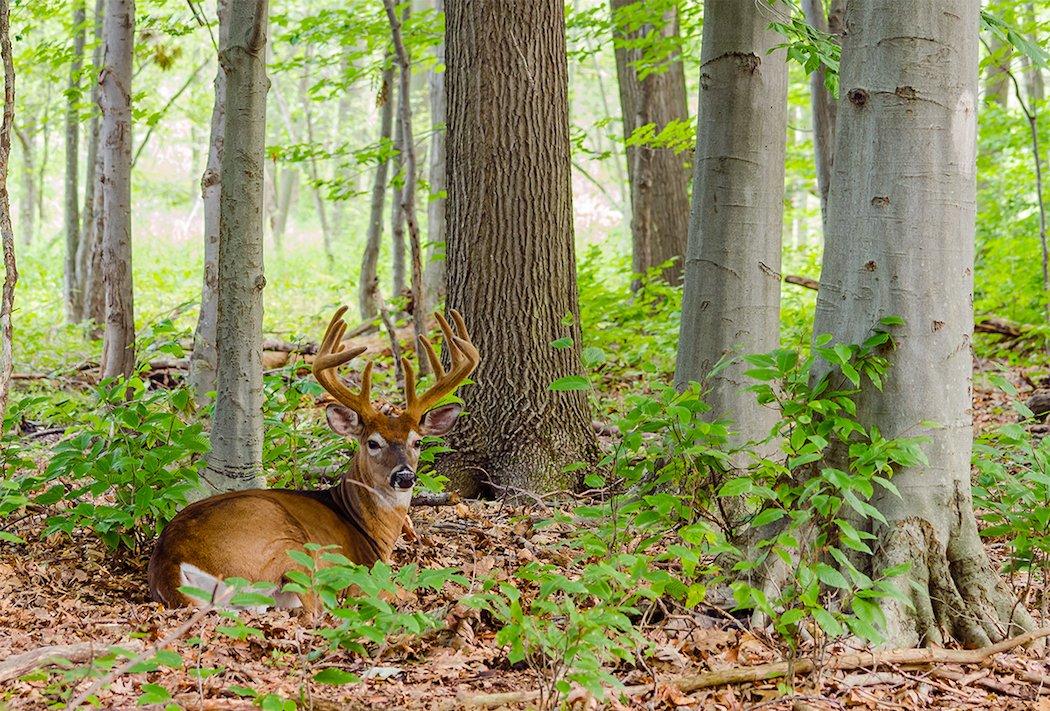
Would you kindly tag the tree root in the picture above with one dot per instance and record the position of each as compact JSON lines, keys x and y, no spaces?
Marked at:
{"x":764,"y":672}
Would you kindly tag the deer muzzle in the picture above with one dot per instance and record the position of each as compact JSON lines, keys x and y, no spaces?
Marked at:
{"x":403,"y":477}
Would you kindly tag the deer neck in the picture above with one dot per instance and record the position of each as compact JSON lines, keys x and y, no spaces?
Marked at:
{"x":377,"y":516}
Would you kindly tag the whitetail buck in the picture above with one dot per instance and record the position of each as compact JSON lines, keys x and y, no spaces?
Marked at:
{"x":246,"y":534}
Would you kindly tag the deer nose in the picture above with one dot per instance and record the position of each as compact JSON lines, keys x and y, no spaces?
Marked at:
{"x":403,"y":478}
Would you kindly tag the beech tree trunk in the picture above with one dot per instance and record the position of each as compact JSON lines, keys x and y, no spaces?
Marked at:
{"x":1034,"y":83}
{"x":118,"y":344}
{"x":70,"y":284}
{"x":25,"y":132}
{"x":821,"y":102}
{"x":731,"y":303}
{"x":900,"y":242}
{"x":7,"y":236}
{"x":235,"y":460}
{"x":511,"y":266}
{"x":435,"y":270}
{"x":997,"y":73}
{"x":204,"y":358}
{"x":659,"y":178}
{"x":369,"y":279}
{"x":287,"y":187}
{"x":397,"y":214}
{"x":91,"y":303}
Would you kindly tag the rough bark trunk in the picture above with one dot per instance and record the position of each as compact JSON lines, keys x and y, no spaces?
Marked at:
{"x":901,"y":242}
{"x":369,"y":280}
{"x":397,"y":214}
{"x":435,"y":271}
{"x":659,"y":178}
{"x":118,"y":345}
{"x":731,"y":303}
{"x":235,"y":460}
{"x":407,"y":196}
{"x":70,"y":284}
{"x":27,"y":202}
{"x":511,"y":266}
{"x":91,"y":306}
{"x":7,"y":236}
{"x":204,"y":357}
{"x":997,"y":73}
{"x":821,"y":102}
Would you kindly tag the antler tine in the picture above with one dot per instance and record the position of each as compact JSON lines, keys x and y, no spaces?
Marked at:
{"x":464,"y":358}
{"x":331,"y":355}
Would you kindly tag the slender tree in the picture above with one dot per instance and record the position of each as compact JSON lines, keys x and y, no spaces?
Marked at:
{"x":7,"y":236}
{"x":235,"y":460}
{"x":900,"y":242}
{"x":511,"y":267}
{"x":25,"y":131}
{"x":397,"y":213}
{"x":652,"y":96}
{"x":118,"y":345}
{"x":369,"y":280}
{"x":89,"y":246}
{"x":731,"y":303}
{"x":204,"y":358}
{"x":70,"y":285}
{"x":822,"y":103}
{"x":997,"y":73}
{"x":435,"y":267}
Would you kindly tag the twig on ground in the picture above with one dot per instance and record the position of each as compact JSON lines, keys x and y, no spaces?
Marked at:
{"x":447,"y":498}
{"x":56,"y":654}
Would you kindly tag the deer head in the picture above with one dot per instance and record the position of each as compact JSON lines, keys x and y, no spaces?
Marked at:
{"x":389,"y":445}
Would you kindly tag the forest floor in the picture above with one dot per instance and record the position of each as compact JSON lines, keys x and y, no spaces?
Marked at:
{"x":67,"y":590}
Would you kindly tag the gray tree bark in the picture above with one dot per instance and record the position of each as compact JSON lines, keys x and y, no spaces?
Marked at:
{"x":25,"y":132}
{"x":287,"y":188}
{"x":821,"y":102}
{"x":89,"y":247}
{"x":314,"y":173}
{"x":1035,"y":85}
{"x":435,"y":270}
{"x":235,"y":460}
{"x":204,"y":357}
{"x":118,"y":344}
{"x":70,"y":284}
{"x":900,"y":242}
{"x":369,"y":279}
{"x":511,"y":266}
{"x":731,"y":302}
{"x":659,"y":178}
{"x":997,"y":73}
{"x":7,"y":236}
{"x":397,"y":214}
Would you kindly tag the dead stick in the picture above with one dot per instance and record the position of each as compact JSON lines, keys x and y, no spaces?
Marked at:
{"x":443,"y":499}
{"x":55,"y":654}
{"x":778,"y":670}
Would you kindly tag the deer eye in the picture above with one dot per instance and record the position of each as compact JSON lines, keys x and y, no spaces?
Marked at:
{"x":374,"y":446}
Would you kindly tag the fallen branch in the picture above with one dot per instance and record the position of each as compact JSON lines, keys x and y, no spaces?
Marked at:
{"x":987,"y":324}
{"x":54,"y":655}
{"x":447,"y":498}
{"x":778,"y":670}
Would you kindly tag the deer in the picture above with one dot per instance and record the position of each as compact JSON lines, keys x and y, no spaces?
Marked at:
{"x":247,"y":534}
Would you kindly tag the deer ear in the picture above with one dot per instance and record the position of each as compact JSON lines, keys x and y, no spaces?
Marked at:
{"x":343,"y":420}
{"x":440,"y":420}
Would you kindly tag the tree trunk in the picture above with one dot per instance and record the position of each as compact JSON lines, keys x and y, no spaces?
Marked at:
{"x":118,"y":344}
{"x":204,"y":358}
{"x":1034,"y":82}
{"x":70,"y":284}
{"x":658,"y":177}
{"x":287,"y":180}
{"x":997,"y":73}
{"x":369,"y":280}
{"x":407,"y":196}
{"x":511,"y":267}
{"x":89,"y":253}
{"x":235,"y":460}
{"x":27,"y":204}
{"x":313,"y":172}
{"x":821,"y":102}
{"x":435,"y":272}
{"x":731,"y":303}
{"x":7,"y":236}
{"x":397,"y":214}
{"x":344,"y":123}
{"x":901,"y":242}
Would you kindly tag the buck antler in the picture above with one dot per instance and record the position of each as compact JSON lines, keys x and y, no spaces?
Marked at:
{"x":465,"y":359}
{"x":330,"y":355}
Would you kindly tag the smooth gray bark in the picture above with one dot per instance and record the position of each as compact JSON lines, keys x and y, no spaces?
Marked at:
{"x":118,"y":344}
{"x":435,"y":267}
{"x":235,"y":460}
{"x":997,"y":73}
{"x":89,"y":252}
{"x":822,"y":104}
{"x":731,"y":303}
{"x":70,"y":284}
{"x":900,"y":242}
{"x":204,"y":357}
{"x":369,"y":279}
{"x":397,"y":214}
{"x":7,"y":237}
{"x":26,"y":134}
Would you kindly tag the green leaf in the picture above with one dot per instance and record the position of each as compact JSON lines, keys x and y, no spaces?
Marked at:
{"x":561,"y":343}
{"x":332,"y":675}
{"x":153,"y":694}
{"x":570,"y":382}
{"x":736,"y":487}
